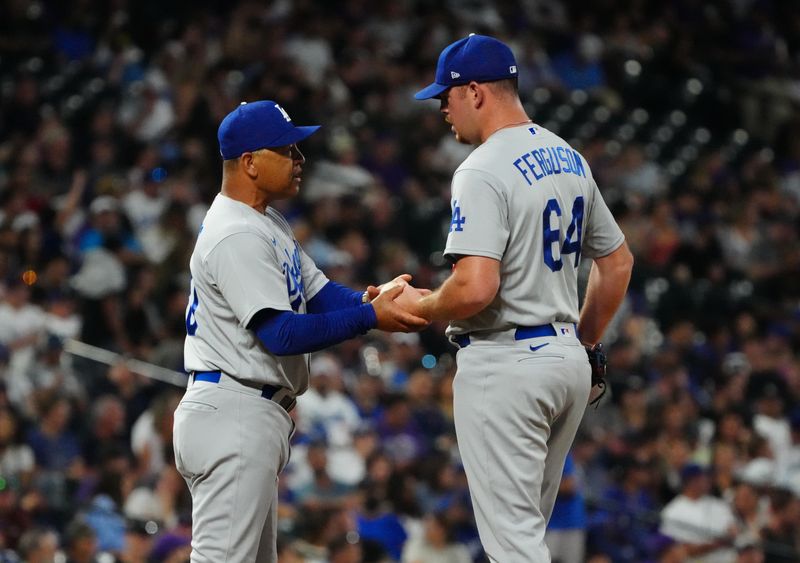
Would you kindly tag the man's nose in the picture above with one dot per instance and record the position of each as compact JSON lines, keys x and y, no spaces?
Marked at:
{"x":297,"y":155}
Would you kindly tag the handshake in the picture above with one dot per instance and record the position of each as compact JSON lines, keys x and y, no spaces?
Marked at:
{"x":397,"y":306}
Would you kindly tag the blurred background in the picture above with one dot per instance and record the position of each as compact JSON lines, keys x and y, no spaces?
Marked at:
{"x":689,"y":115}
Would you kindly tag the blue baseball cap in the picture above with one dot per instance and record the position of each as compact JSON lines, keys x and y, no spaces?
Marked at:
{"x":477,"y":57}
{"x":692,"y":470}
{"x":258,"y":125}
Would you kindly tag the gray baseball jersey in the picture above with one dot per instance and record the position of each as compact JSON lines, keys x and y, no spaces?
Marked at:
{"x":526,"y":198}
{"x":244,"y":262}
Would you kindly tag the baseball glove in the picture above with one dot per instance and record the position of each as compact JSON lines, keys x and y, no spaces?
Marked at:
{"x":598,"y":361}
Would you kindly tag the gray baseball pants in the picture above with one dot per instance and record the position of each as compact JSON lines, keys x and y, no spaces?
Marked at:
{"x":517,"y":407}
{"x":230,"y":445}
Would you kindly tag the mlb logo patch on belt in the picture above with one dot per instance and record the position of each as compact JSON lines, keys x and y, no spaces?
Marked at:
{"x":565,"y":329}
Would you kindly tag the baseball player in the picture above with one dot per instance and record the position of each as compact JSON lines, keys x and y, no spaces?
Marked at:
{"x":525,"y":209}
{"x":258,"y":305}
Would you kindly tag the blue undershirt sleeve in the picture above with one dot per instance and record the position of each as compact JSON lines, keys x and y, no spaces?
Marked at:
{"x":288,"y":334}
{"x":332,"y":297}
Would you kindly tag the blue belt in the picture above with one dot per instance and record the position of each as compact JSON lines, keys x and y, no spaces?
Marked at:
{"x":520,"y":333}
{"x":267,"y":391}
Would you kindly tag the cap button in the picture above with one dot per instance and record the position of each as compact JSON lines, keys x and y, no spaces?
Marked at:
{"x":243,"y":103}
{"x":471,"y":34}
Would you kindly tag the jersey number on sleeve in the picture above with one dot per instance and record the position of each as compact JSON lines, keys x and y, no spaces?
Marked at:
{"x":553,"y":249}
{"x":191,"y":321}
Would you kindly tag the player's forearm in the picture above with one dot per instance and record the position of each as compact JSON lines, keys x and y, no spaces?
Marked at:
{"x":333,"y":297}
{"x":608,"y":282}
{"x":464,"y":294}
{"x":287,"y":334}
{"x":449,"y":303}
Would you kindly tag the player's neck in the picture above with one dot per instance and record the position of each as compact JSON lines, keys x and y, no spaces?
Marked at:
{"x":249,"y":196}
{"x":503,"y":124}
{"x":510,"y":115}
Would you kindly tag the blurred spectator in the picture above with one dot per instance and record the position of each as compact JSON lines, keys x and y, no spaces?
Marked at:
{"x":151,"y":434}
{"x":317,"y":529}
{"x":436,"y":544}
{"x":16,"y":517}
{"x":323,"y":491}
{"x":377,"y":522}
{"x":104,"y":511}
{"x":171,"y":548}
{"x":324,"y":409}
{"x":566,"y":531}
{"x":50,"y":372}
{"x":751,"y":514}
{"x":580,"y":68}
{"x":344,"y":550}
{"x":624,"y":526}
{"x":399,"y":432}
{"x":139,"y":541}
{"x":703,"y":524}
{"x":158,"y":503}
{"x":769,"y":420}
{"x":22,"y":323}
{"x":107,"y":428}
{"x":38,"y":546}
{"x":16,"y":456}
{"x":54,"y":446}
{"x":80,"y":543}
{"x":781,"y":533}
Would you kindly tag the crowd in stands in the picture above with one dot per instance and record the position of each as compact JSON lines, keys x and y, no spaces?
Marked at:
{"x":689,"y":116}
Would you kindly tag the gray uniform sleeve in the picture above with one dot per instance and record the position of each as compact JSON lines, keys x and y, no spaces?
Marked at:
{"x":479,"y":224}
{"x":603,"y":236}
{"x":244,"y":269}
{"x":313,"y":277}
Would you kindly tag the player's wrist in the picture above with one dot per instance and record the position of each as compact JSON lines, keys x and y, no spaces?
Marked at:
{"x":365,"y":297}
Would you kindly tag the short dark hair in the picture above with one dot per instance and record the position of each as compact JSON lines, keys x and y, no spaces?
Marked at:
{"x":506,"y":86}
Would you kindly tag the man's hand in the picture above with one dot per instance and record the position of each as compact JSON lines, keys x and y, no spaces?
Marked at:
{"x":409,"y":299}
{"x":392,"y":316}
{"x":373,"y":291}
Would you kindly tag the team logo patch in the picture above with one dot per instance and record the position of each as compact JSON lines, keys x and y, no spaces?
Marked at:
{"x":454,"y":74}
{"x":283,"y":113}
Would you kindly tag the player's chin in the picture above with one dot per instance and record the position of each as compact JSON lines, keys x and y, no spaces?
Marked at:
{"x":461,"y":139}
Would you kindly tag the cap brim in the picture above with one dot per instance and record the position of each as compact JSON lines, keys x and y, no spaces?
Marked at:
{"x":430,"y":91}
{"x":293,"y":136}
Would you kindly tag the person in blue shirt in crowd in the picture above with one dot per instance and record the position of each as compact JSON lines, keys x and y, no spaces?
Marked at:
{"x":566,"y":532}
{"x":623,"y":525}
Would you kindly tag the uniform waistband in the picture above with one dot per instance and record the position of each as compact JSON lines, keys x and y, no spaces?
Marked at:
{"x":280,"y":395}
{"x":568,"y":330}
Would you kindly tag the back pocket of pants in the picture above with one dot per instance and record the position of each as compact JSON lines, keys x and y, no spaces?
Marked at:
{"x":534,"y":357}
{"x":197,"y":406}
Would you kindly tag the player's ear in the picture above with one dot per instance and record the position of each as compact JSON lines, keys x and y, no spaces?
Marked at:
{"x":248,"y":165}
{"x":475,"y":94}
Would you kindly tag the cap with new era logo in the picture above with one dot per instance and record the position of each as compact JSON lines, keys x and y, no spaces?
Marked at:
{"x":478,"y":57}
